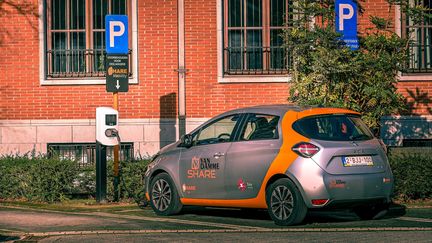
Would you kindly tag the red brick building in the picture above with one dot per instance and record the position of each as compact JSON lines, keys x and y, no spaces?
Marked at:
{"x":52,"y":68}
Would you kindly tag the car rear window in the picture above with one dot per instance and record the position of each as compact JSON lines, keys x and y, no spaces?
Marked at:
{"x":333,"y":128}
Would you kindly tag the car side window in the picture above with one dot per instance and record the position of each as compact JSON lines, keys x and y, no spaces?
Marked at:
{"x":218,"y":131}
{"x":259,"y":127}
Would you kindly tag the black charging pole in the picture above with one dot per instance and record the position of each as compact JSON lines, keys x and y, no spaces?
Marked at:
{"x":101,"y":173}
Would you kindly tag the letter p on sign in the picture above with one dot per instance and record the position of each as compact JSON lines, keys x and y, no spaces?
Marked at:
{"x":116,"y":34}
{"x":344,"y":15}
{"x":346,"y":22}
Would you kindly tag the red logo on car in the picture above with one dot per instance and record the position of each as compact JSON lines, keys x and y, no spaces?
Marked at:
{"x":241,"y":185}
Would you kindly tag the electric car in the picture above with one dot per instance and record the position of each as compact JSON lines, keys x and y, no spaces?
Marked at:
{"x":286,"y":159}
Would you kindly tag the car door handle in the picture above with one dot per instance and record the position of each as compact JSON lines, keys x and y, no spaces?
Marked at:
{"x":218,"y":155}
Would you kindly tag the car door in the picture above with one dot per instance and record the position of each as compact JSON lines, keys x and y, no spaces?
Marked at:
{"x":202,"y":166}
{"x":250,"y":156}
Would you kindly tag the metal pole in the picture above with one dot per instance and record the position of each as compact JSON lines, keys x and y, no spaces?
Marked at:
{"x":116,"y":157}
{"x":101,"y":173}
{"x":181,"y":70}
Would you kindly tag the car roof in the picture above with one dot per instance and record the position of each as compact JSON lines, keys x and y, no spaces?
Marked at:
{"x":273,"y":109}
{"x":281,"y":109}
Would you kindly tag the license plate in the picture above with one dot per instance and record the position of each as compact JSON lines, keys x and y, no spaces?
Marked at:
{"x":357,"y":161}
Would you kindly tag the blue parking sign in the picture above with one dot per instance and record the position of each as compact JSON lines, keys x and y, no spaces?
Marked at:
{"x":116,"y":34}
{"x":346,"y":22}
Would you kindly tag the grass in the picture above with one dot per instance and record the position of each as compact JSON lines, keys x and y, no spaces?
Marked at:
{"x":91,"y":205}
{"x":421,"y":203}
{"x":81,"y":205}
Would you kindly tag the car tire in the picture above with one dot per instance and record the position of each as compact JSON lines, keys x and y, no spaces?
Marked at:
{"x":285,"y":203}
{"x":164,"y":198}
{"x":372,"y":211}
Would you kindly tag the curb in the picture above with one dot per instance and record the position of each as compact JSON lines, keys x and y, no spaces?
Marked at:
{"x":390,"y":229}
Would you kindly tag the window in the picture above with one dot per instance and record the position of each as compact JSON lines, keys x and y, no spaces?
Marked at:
{"x":420,"y":48}
{"x":85,"y":153}
{"x":259,"y":127}
{"x":333,"y":128}
{"x":217,"y":132}
{"x":252,"y":37}
{"x":75,"y":36}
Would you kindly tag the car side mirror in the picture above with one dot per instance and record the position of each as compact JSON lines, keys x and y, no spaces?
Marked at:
{"x":186,"y":140}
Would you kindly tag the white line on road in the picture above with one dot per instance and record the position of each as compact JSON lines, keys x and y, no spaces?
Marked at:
{"x":423,"y":220}
{"x":171,"y":220}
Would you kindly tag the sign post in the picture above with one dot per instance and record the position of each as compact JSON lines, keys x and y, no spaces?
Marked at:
{"x":346,"y":22}
{"x":117,"y":73}
{"x":117,"y":70}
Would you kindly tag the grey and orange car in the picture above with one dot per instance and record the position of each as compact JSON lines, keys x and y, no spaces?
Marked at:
{"x":286,"y":159}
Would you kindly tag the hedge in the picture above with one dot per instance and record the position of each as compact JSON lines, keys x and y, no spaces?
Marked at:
{"x":51,"y":180}
{"x":36,"y":179}
{"x":412,"y":174}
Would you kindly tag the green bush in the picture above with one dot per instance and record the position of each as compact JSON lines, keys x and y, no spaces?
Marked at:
{"x":412,"y":174}
{"x":36,"y":178}
{"x":51,"y":180}
{"x":131,"y":182}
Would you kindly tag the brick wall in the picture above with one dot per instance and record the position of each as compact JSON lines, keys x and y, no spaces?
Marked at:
{"x":418,"y":96}
{"x":156,"y":94}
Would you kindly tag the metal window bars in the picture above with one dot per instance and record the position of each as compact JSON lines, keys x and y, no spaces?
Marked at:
{"x":256,"y":60}
{"x":420,"y":58}
{"x":78,"y":63}
{"x":85,"y":153}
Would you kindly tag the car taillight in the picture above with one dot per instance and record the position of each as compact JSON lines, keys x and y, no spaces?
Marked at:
{"x":306,"y":150}
{"x":319,"y":202}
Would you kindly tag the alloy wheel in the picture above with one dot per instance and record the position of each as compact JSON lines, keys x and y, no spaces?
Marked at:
{"x":161,"y":195}
{"x":281,"y":202}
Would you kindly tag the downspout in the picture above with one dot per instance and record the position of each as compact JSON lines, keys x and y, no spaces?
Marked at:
{"x":181,"y":70}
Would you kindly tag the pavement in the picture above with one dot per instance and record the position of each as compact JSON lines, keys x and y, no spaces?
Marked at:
{"x":132,"y":224}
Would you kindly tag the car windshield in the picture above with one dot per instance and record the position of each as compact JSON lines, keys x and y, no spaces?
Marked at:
{"x":333,"y":128}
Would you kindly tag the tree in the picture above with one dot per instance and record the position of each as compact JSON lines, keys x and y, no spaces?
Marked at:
{"x":326,"y":72}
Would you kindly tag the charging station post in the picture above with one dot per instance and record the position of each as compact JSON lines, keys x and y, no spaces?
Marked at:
{"x":101,"y":173}
{"x":116,"y":158}
{"x":106,"y":135}
{"x":117,"y":71}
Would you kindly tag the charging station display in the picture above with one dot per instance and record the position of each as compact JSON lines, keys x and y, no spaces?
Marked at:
{"x":107,"y":126}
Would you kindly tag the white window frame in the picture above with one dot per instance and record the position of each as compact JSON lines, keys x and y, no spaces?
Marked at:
{"x":408,"y":76}
{"x":89,"y":81}
{"x":220,"y":65}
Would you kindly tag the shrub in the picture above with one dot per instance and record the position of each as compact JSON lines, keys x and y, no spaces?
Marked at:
{"x":412,"y":175}
{"x":51,"y":180}
{"x":132,"y":183}
{"x":36,"y":178}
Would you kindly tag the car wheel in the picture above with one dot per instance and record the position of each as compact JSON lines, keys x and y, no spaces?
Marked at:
{"x":164,"y":198}
{"x":371,"y":212}
{"x":285,"y":203}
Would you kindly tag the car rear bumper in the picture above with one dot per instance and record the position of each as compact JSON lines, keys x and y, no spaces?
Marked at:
{"x":316,"y":184}
{"x":353,"y":203}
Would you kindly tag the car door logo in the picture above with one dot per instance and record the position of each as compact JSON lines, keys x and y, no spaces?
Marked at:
{"x":195,"y":163}
{"x":202,"y":168}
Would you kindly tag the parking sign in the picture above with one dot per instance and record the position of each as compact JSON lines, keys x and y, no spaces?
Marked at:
{"x":346,"y":22}
{"x":116,"y":34}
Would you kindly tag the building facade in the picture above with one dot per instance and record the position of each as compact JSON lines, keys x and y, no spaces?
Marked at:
{"x":227,"y":53}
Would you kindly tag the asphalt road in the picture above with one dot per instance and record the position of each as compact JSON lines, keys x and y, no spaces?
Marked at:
{"x":409,"y":236}
{"x":209,"y":224}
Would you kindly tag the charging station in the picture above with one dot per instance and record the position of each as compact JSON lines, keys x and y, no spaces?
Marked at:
{"x":106,"y":135}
